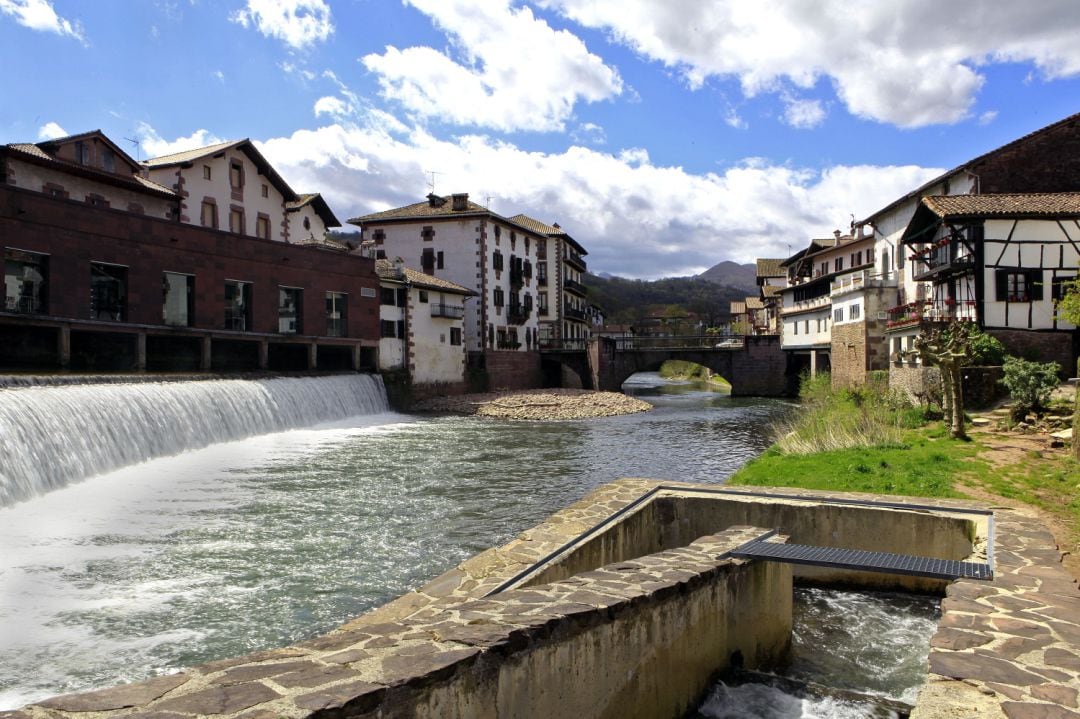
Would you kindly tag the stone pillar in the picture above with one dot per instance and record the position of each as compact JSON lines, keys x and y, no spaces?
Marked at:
{"x":206,"y":360}
{"x":313,"y":356}
{"x":140,"y":351}
{"x":813,"y":363}
{"x":63,"y":346}
{"x":356,"y":358}
{"x":264,"y":354}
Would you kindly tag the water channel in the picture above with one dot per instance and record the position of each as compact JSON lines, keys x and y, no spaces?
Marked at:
{"x":264,"y":541}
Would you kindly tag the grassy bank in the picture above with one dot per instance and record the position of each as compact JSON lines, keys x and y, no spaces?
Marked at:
{"x":869,"y":441}
{"x":691,"y":371}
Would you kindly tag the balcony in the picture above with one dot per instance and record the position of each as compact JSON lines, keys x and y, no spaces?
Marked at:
{"x":541,"y":280}
{"x":572,"y":314}
{"x":914,"y":314}
{"x":575,"y":287}
{"x":453,"y":312}
{"x":542,"y":311}
{"x":574,"y":260}
{"x":815,"y":303}
{"x":857,"y":281}
{"x":518,"y":314}
{"x":944,"y":258}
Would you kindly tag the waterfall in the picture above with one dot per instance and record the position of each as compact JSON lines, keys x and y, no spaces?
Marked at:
{"x":53,"y":435}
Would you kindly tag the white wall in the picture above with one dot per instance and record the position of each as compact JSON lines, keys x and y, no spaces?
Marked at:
{"x":434,"y":358}
{"x":814,"y":328}
{"x":33,"y":177}
{"x":391,"y":349}
{"x":297,"y":233}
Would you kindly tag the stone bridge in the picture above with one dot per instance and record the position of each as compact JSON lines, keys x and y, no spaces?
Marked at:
{"x":754,"y":365}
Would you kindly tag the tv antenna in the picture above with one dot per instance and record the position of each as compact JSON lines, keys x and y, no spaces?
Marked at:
{"x":431,"y":184}
{"x":487,"y":201}
{"x":136,"y":144}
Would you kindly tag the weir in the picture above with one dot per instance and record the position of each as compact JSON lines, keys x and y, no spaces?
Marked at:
{"x":53,"y":436}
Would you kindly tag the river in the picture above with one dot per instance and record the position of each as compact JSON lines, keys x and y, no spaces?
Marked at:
{"x":264,"y":541}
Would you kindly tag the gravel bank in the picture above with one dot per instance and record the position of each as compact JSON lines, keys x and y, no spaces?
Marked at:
{"x":537,"y":404}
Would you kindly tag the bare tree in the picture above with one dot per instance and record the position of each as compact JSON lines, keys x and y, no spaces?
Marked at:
{"x":950,"y":349}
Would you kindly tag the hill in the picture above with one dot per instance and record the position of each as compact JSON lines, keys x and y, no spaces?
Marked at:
{"x":629,"y":301}
{"x":733,"y":274}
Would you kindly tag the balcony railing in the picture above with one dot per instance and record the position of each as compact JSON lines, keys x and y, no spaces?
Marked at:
{"x":26,"y":305}
{"x":454,"y":312}
{"x":916,"y":313}
{"x":804,"y":305}
{"x":573,"y":314}
{"x":518,"y":314}
{"x":945,"y":257}
{"x":574,"y":260}
{"x":575,"y":287}
{"x":860,"y":280}
{"x":564,"y":345}
{"x":541,"y":280}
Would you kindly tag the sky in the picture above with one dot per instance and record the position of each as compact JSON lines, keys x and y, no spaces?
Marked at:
{"x":665,"y":136}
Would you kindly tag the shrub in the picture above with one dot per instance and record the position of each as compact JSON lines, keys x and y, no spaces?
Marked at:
{"x":1029,"y":384}
{"x":986,"y":350}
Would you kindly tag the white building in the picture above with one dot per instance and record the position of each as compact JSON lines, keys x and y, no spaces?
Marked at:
{"x":421,"y":322}
{"x":230,"y":186}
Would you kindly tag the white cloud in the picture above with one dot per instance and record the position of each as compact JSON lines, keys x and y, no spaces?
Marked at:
{"x":297,"y":23}
{"x":40,"y":15}
{"x":987,"y":117}
{"x":909,"y":62}
{"x":509,"y":70}
{"x":335,"y":107}
{"x":154,"y":145}
{"x":635,"y":218}
{"x":803,"y":114}
{"x":589,"y":132}
{"x":220,"y":76}
{"x":51,"y":131}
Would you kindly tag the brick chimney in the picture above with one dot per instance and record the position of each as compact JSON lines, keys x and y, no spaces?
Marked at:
{"x":460,"y":201}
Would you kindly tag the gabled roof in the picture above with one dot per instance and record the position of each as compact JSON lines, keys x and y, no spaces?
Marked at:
{"x":770,"y":291}
{"x":95,"y":134}
{"x":754,"y":303}
{"x":318,"y":204}
{"x":246,"y":146}
{"x":39,"y":154}
{"x":967,"y":165}
{"x":770,"y":268}
{"x":542,"y":228}
{"x":737,"y":308}
{"x":1055,"y":204}
{"x":423,"y":210}
{"x":385,"y":270}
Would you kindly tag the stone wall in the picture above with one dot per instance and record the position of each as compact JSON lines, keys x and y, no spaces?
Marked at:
{"x":982,"y":386}
{"x":638,"y":638}
{"x":1047,"y":346}
{"x":849,"y":358}
{"x":915,"y":382}
{"x":513,"y":370}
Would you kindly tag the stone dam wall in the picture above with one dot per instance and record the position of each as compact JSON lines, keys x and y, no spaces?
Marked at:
{"x":624,"y":604}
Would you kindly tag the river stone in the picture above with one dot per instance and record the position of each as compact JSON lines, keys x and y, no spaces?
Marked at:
{"x":983,"y":668}
{"x":956,"y":640}
{"x":403,"y":669}
{"x":357,"y":697}
{"x":241,"y":674}
{"x":128,"y":695}
{"x":315,"y":676}
{"x":1058,"y":657}
{"x":1065,"y":696}
{"x":1029,"y":710}
{"x":220,"y":699}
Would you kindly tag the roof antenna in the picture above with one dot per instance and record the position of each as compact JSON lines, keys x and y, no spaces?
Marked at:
{"x":136,"y":144}
{"x":487,"y":201}
{"x":431,"y":185}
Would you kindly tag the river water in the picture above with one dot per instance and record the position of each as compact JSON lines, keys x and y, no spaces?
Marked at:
{"x":264,"y":541}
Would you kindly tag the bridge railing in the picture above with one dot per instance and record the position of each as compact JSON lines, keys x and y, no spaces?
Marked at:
{"x":729,"y":342}
{"x":564,"y":345}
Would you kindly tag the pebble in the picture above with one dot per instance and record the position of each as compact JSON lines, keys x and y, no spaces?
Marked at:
{"x":537,"y":404}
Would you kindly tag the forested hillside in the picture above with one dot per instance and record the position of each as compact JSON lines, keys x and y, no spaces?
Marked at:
{"x":629,"y":301}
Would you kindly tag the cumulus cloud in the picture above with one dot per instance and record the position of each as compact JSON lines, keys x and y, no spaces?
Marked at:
{"x":902,"y":62}
{"x":635,"y":218}
{"x":51,"y":131}
{"x":297,"y":23}
{"x":803,"y":114}
{"x":40,"y":15}
{"x":507,"y":69}
{"x":154,"y":145}
{"x":589,"y":132}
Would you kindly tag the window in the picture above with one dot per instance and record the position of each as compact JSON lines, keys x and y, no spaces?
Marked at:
{"x":824,"y":268}
{"x":423,"y":296}
{"x":428,"y":233}
{"x":387,"y":328}
{"x":838,"y":314}
{"x":455,"y":336}
{"x":795,"y":330}
{"x":95,"y":200}
{"x":206,"y":172}
{"x":82,"y":153}
{"x":1059,"y":286}
{"x":236,"y":175}
{"x":262,"y":226}
{"x":307,"y":223}
{"x":178,"y":298}
{"x":855,"y":312}
{"x":439,"y":260}
{"x":1019,"y":285}
{"x":108,"y":292}
{"x":265,"y":190}
{"x":402,"y":297}
{"x":237,"y":305}
{"x":208,"y":216}
{"x":497,"y":260}
{"x":542,"y":303}
{"x":427,"y":260}
{"x":290,"y":310}
{"x":108,"y":160}
{"x":336,"y":304}
{"x":499,"y":297}
{"x":380,"y":254}
{"x":401,"y":329}
{"x":54,"y":190}
{"x":236,"y":221}
{"x":541,"y":273}
{"x":806,"y":327}
{"x":26,"y":277}
{"x":838,"y":264}
{"x":379,"y":236}
{"x":387,"y":296}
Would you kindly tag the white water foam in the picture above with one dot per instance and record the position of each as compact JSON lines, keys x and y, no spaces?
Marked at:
{"x":53,"y":436}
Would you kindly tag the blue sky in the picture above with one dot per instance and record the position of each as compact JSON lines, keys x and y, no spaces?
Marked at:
{"x":664,"y":136}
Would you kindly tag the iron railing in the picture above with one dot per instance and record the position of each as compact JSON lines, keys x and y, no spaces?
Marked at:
{"x":454,"y":312}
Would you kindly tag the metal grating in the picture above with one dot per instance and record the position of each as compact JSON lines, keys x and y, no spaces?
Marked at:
{"x":862,"y":560}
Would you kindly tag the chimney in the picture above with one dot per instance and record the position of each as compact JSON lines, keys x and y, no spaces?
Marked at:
{"x":399,"y":267}
{"x":435,"y":201}
{"x":460,"y":200}
{"x":836,"y":234}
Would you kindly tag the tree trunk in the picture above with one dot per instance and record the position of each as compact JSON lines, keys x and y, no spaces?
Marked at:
{"x":952,"y":398}
{"x":1076,"y":419}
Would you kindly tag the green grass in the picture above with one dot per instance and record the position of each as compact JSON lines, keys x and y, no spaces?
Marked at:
{"x":682,"y":370}
{"x":924,"y":464}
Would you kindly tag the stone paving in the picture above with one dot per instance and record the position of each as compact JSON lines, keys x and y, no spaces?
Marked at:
{"x":1005,"y":648}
